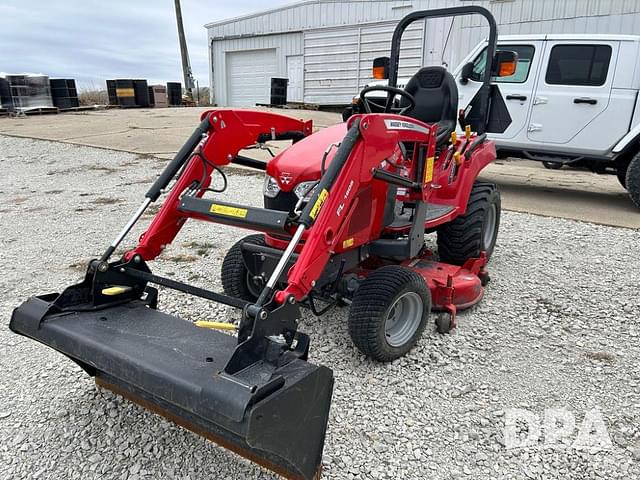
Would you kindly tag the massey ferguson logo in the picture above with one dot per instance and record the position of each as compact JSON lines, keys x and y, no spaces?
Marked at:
{"x":400,"y":125}
{"x":286,"y":178}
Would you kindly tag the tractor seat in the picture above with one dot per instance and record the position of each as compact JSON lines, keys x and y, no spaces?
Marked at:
{"x":436,"y":95}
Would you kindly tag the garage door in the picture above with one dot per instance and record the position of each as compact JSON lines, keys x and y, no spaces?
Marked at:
{"x":249,"y":76}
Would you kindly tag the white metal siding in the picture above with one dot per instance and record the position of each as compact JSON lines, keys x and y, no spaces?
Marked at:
{"x":337,"y":62}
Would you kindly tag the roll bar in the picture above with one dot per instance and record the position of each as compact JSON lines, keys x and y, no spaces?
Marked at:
{"x":485,"y":90}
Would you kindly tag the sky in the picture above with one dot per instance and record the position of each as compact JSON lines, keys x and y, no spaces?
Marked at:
{"x":95,"y":40}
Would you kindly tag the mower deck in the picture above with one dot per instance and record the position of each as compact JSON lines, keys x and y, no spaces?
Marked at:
{"x":174,"y":368}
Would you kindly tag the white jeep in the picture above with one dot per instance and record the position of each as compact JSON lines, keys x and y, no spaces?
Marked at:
{"x":573,"y":100}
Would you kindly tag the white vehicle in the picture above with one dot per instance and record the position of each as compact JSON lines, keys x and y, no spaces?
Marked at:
{"x":573,"y":100}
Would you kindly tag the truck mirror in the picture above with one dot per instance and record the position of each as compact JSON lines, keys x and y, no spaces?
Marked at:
{"x":466,"y":73}
{"x":505,"y":63}
{"x":381,"y":68}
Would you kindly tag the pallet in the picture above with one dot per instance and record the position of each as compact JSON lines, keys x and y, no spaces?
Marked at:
{"x":291,"y":106}
{"x":82,"y":108}
{"x":39,"y":111}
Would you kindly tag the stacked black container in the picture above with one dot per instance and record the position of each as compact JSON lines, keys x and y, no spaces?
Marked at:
{"x":64,"y":93}
{"x":6,"y":100}
{"x":174,"y":94}
{"x":279,"y":91}
{"x":141,"y":93}
{"x":111,"y":92}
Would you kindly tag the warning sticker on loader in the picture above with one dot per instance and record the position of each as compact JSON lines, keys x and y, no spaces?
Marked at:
{"x":228,"y":211}
{"x":318,"y":205}
{"x":428,"y":171}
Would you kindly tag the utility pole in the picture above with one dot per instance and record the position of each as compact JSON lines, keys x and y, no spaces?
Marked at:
{"x":184,"y":53}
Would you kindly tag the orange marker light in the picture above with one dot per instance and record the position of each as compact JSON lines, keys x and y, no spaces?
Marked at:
{"x":378,"y":73}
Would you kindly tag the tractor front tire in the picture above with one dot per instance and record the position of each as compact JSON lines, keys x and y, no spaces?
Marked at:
{"x":632,"y":180}
{"x":476,"y":231}
{"x":389,"y":312}
{"x":236,"y":279}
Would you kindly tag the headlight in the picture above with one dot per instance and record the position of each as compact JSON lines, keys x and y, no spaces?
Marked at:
{"x":304,"y":190}
{"x":271,"y":187}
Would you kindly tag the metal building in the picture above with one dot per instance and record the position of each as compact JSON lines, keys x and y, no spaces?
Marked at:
{"x":326,"y":47}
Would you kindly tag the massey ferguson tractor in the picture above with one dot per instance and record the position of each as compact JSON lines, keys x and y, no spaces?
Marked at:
{"x":345,"y":216}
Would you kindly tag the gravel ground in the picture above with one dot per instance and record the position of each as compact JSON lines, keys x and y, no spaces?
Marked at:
{"x":557,"y":329}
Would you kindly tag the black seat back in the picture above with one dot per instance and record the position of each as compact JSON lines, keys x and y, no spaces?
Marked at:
{"x":436,"y":95}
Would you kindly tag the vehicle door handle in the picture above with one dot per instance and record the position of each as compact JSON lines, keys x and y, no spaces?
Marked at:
{"x":522,"y":98}
{"x":590,"y":101}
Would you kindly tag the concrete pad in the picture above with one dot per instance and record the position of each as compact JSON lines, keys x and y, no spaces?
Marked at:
{"x":526,"y":186}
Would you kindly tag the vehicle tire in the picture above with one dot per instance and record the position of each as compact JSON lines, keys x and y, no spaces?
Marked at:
{"x":389,"y":312}
{"x":477,"y":230}
{"x":632,"y":179}
{"x":552,"y":165}
{"x":236,"y":281}
{"x":621,"y":173}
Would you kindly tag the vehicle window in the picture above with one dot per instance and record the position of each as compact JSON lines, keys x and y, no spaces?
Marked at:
{"x":578,"y":65}
{"x":525,"y":57}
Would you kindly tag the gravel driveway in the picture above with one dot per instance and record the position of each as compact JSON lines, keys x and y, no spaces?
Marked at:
{"x":558,"y":329}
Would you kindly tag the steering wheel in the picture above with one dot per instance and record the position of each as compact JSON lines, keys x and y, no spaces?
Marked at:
{"x":371,"y":107}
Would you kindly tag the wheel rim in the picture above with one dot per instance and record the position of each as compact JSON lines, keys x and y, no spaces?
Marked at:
{"x":489,"y":227}
{"x":252,"y":286}
{"x":403,"y":319}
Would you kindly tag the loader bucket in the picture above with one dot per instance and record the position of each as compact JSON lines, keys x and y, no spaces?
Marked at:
{"x":273,"y":413}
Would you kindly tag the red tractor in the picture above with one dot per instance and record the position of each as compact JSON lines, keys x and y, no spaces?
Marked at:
{"x":346,"y":210}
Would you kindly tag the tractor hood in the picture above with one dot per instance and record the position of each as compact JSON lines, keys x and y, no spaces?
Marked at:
{"x":302,"y":161}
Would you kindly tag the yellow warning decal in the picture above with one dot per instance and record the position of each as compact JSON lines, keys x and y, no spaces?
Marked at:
{"x":428,"y":171}
{"x":318,"y":205}
{"x":228,"y":211}
{"x":125,"y":92}
{"x":348,"y":242}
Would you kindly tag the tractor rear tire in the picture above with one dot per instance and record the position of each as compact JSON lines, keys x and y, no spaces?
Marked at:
{"x":474,"y":232}
{"x":389,"y":312}
{"x":632,"y":180}
{"x":235,"y":276}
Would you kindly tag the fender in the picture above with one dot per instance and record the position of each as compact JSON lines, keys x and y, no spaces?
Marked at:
{"x":632,"y":137}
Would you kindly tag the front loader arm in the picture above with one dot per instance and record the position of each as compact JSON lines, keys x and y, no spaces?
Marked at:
{"x":223,"y":133}
{"x":371,"y":139}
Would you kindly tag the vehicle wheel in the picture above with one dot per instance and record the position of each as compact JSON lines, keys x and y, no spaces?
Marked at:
{"x":236,"y":279}
{"x":632,"y":179}
{"x":621,"y":173}
{"x":475,"y":231}
{"x":552,"y":165}
{"x":389,"y":312}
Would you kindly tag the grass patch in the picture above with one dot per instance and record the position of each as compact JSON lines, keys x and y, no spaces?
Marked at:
{"x":152,"y":210}
{"x":102,"y":168}
{"x":201,"y":248}
{"x":106,"y":201}
{"x":79,"y":266}
{"x":600,"y":356}
{"x":181,"y":258}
